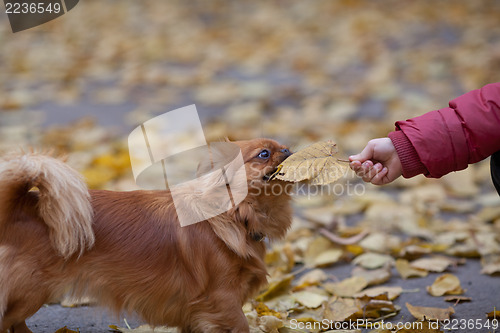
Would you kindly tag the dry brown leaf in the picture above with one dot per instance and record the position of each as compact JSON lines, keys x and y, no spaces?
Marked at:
{"x":312,"y":278}
{"x":392,"y":292}
{"x":373,"y":276}
{"x":347,"y":287}
{"x":495,"y":314}
{"x":269,"y":324}
{"x":276,"y":288}
{"x":490,"y":264}
{"x":316,"y":163}
{"x":429,"y":313}
{"x":446,"y":284}
{"x":380,"y":242}
{"x":406,"y":271}
{"x":375,"y":307}
{"x":263,"y":310}
{"x":65,"y":329}
{"x":457,"y":299}
{"x":341,"y":240}
{"x":328,"y":258}
{"x":341,"y":309}
{"x":435,"y":264}
{"x":373,"y":260}
{"x":309,"y":299}
{"x":412,"y":252}
{"x":317,"y":246}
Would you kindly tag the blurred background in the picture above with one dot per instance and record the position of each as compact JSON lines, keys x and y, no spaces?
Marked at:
{"x":296,"y":71}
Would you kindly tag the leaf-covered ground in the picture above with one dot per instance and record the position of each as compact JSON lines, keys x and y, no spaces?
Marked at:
{"x":300,"y":72}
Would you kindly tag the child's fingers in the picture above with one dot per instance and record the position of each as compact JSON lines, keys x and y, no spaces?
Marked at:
{"x":362,"y":169}
{"x":355,"y":165}
{"x":378,"y":179}
{"x":371,"y":171}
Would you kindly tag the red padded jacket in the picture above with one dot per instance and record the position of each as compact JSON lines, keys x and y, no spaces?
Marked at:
{"x":450,"y":139}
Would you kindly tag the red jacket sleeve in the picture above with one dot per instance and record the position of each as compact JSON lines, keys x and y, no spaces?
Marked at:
{"x":450,"y":139}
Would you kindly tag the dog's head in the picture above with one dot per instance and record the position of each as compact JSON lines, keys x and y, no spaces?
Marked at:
{"x":262,"y":157}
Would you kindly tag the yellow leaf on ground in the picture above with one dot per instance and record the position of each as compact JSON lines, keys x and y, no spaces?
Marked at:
{"x":373,"y":276}
{"x":341,"y":309}
{"x":406,"y":271}
{"x":435,"y":264}
{"x":276,"y":288}
{"x":312,"y":278}
{"x":490,"y":264}
{"x":65,"y":329}
{"x":392,"y":292}
{"x":327,"y":258}
{"x":457,"y":299}
{"x":310,"y":299}
{"x":316,"y":163}
{"x":428,"y":313}
{"x":270,"y":324}
{"x":347,"y":287}
{"x":493,"y":314}
{"x":372,"y":260}
{"x":263,"y":310}
{"x":446,"y":284}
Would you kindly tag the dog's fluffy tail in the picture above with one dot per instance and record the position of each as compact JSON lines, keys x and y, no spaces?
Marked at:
{"x":63,"y":203}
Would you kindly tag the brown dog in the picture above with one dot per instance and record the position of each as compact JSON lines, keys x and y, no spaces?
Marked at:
{"x":127,"y":249}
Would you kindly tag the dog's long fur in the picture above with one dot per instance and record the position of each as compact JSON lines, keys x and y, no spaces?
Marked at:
{"x":127,"y":249}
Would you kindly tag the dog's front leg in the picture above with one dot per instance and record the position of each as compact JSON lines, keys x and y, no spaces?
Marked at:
{"x":20,"y":328}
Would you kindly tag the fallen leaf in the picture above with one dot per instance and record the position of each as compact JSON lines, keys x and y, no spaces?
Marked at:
{"x":65,"y":329}
{"x":392,"y":292}
{"x":347,"y":287}
{"x":270,"y":324}
{"x":457,"y":299}
{"x":341,"y":309}
{"x":375,"y":307}
{"x":373,"y":276}
{"x":263,"y":310}
{"x":446,"y":284}
{"x":380,"y":242}
{"x":373,"y":260}
{"x":327,"y":258}
{"x":309,"y":299}
{"x":341,"y":240}
{"x":316,"y":163}
{"x":495,"y":314}
{"x":276,"y":288}
{"x":312,"y":278}
{"x":406,"y":271}
{"x":429,"y":313}
{"x":436,"y":264}
{"x":412,"y":252}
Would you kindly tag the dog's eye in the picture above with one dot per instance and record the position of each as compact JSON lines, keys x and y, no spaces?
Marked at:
{"x":264,"y":154}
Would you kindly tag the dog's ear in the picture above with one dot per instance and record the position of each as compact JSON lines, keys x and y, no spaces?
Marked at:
{"x":232,"y":232}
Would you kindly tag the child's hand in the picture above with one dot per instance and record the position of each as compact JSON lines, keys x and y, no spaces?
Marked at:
{"x":378,"y":163}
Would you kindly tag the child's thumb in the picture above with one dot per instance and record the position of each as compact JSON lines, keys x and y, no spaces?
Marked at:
{"x":366,"y":154}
